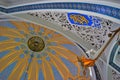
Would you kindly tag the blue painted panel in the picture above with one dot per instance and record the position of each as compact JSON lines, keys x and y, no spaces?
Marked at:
{"x":73,"y":69}
{"x":31,"y":28}
{"x":6,"y":72}
{"x":24,"y":76}
{"x":56,"y":74}
{"x":2,"y":54}
{"x":17,"y":39}
{"x":72,"y":48}
{"x":39,"y":61}
{"x":41,"y":76}
{"x":7,"y":24}
{"x":3,"y":38}
{"x":80,"y":19}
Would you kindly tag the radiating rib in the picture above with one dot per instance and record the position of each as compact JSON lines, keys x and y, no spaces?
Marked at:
{"x":8,"y":41}
{"x":47,"y":70}
{"x":8,"y":59}
{"x":36,"y":27}
{"x":33,"y":71}
{"x":55,"y":35}
{"x":19,"y":68}
{"x":78,"y":68}
{"x":68,"y":57}
{"x":47,"y":31}
{"x":8,"y":45}
{"x":63,"y":51}
{"x":12,"y":33}
{"x":21,"y":26}
{"x":61,"y":67}
{"x":9,"y":35}
{"x":71,"y":57}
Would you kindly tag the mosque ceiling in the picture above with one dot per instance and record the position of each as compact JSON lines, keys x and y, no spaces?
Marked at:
{"x":42,"y":44}
{"x":32,"y":51}
{"x":96,"y":33}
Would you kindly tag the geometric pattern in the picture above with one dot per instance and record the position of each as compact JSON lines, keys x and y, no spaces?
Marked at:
{"x":57,"y":61}
{"x":102,"y":9}
{"x":97,"y":8}
{"x":92,"y":34}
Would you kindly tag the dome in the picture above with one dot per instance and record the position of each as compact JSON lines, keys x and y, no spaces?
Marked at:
{"x":59,"y":40}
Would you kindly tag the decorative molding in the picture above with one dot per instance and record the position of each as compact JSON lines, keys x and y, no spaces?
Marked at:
{"x":97,"y":8}
{"x":98,"y":76}
{"x":112,"y":56}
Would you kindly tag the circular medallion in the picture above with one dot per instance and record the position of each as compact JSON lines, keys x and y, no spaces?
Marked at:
{"x":36,"y":44}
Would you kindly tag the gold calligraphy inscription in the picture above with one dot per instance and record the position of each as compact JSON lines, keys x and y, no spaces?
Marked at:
{"x":79,"y":19}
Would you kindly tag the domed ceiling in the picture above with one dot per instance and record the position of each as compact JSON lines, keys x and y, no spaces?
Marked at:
{"x":42,"y":40}
{"x":33,"y":52}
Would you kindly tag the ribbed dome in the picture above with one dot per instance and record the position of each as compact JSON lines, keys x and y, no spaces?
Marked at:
{"x":32,"y":52}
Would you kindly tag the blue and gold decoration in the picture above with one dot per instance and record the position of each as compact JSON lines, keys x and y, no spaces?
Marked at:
{"x":79,"y":19}
{"x":32,"y":52}
{"x":84,"y":20}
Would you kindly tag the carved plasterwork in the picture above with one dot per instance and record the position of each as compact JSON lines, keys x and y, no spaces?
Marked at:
{"x":95,"y":36}
{"x":115,"y":75}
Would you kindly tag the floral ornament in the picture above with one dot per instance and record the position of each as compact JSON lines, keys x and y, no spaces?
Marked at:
{"x":33,"y":52}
